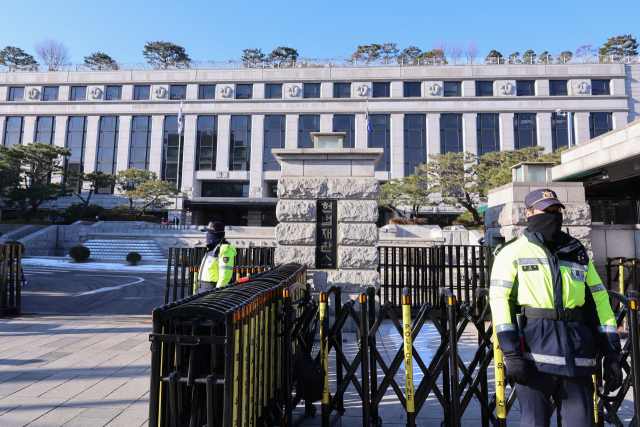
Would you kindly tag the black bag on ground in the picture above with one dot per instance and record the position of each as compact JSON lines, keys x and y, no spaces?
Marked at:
{"x":308,"y":378}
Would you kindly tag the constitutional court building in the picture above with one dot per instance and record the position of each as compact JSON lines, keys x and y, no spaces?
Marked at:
{"x":233,"y":118}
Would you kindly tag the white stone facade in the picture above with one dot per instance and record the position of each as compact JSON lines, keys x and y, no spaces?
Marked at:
{"x":623,"y":103}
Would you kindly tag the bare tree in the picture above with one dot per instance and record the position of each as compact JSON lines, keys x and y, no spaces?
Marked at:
{"x":471,"y":49}
{"x":440,"y":45}
{"x":53,"y":53}
{"x":585,"y":49}
{"x":455,"y":51}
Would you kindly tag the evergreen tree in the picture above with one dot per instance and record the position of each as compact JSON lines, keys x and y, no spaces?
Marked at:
{"x":16,"y":58}
{"x":545,"y":58}
{"x":100,"y":61}
{"x":410,"y":55}
{"x":367,"y":53}
{"x":389,"y":51}
{"x":164,"y":54}
{"x":620,"y":46}
{"x":529,"y":57}
{"x":514,"y":58}
{"x":565,"y":57}
{"x":252,"y":57}
{"x":494,"y":57}
{"x":283,"y":54}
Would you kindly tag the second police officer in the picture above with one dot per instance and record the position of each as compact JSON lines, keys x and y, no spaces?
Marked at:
{"x":546,"y":279}
{"x":216,"y":268}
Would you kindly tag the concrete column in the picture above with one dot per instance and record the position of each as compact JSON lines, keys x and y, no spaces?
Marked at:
{"x":29,"y":129}
{"x":291,"y":131}
{"x":543,"y":124}
{"x":257,"y":155}
{"x":2,"y":125}
{"x":326,"y":90}
{"x":469,"y":133}
{"x":433,"y":133}
{"x":468,"y":88}
{"x":124,"y":139}
{"x":60,"y":138}
{"x":157,"y":130}
{"x":326,"y":122}
{"x":224,"y":137}
{"x":189,"y":153}
{"x":542,"y":87}
{"x":258,"y":90}
{"x":397,"y":89}
{"x":63,"y":93}
{"x":91,"y":145}
{"x":581,"y":127}
{"x":361,"y":133}
{"x":192,"y":92}
{"x":397,"y":146}
{"x":619,"y":119}
{"x":506,"y":131}
{"x":127,"y":92}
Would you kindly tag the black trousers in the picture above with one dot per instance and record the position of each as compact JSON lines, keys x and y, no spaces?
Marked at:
{"x":573,"y":397}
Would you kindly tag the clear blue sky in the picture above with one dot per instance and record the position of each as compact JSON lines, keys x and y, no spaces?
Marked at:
{"x":219,"y":30}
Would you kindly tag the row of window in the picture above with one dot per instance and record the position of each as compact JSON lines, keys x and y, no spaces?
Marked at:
{"x":415,"y":147}
{"x":312,"y":90}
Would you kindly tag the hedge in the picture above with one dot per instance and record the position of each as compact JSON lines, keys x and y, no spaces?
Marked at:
{"x":129,"y":217}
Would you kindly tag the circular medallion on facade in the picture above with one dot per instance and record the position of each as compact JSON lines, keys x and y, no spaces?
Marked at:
{"x":581,"y":87}
{"x":506,"y":88}
{"x":434,"y":89}
{"x":95,"y":93}
{"x":362,"y":90}
{"x":161,"y":92}
{"x":293,"y":91}
{"x":33,"y":93}
{"x":225,"y":91}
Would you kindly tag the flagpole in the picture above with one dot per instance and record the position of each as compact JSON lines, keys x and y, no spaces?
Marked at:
{"x":180,"y":121}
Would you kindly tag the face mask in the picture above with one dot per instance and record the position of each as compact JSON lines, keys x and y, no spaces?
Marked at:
{"x":214,"y":238}
{"x":547,"y":224}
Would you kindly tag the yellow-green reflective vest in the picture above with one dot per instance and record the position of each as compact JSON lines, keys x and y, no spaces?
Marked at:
{"x":216,"y":268}
{"x":526,"y":273}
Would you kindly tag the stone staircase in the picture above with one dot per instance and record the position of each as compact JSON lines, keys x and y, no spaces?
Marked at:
{"x":118,"y":249}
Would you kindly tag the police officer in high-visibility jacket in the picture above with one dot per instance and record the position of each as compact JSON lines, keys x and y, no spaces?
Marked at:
{"x":216,"y":268}
{"x":544,"y":287}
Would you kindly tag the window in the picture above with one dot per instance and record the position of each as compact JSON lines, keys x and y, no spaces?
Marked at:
{"x":273,"y":91}
{"x":240,"y":149}
{"x":78,"y":93}
{"x":16,"y":94}
{"x":107,"y":148}
{"x":272,"y":189}
{"x":224,"y":189}
{"x":306,"y":125}
{"x":50,"y":93}
{"x":244,"y":91}
{"x":342,"y":90}
{"x":274,"y":127}
{"x":525,"y":88}
{"x":484,"y":88}
{"x":76,"y":141}
{"x":600,"y":87}
{"x":599,"y":123}
{"x":451,"y":133}
{"x":207,"y":143}
{"x":346,"y":123}
{"x":415,"y":142}
{"x":172,"y":151}
{"x":142,"y":93}
{"x":113,"y":93}
{"x":45,"y":130}
{"x":13,"y":131}
{"x":524,"y":130}
{"x":311,"y":90}
{"x":488,"y":132}
{"x":178,"y":92}
{"x":381,"y":90}
{"x":560,"y":131}
{"x":207,"y":92}
{"x":452,"y":88}
{"x":380,"y":137}
{"x":412,"y":89}
{"x":557,"y":87}
{"x":140,"y":146}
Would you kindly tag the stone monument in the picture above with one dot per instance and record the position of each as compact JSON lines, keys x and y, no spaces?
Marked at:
{"x":327,"y":211}
{"x":505,"y":217}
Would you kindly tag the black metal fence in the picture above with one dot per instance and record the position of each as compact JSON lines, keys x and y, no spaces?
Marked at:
{"x":10,"y":278}
{"x":423,"y":270}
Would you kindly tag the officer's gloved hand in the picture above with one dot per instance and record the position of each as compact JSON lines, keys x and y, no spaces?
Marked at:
{"x":612,"y":375}
{"x":516,"y":371}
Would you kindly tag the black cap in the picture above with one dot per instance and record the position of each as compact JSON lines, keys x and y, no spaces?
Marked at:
{"x":216,"y":227}
{"x":542,"y":199}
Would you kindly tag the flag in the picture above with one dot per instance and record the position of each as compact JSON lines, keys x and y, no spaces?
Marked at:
{"x":368,"y":118}
{"x":180,"y":119}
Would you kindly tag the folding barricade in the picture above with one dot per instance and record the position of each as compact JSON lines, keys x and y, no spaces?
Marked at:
{"x":223,"y":357}
{"x":10,"y":278}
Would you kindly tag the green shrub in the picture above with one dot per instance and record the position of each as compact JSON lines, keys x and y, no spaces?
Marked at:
{"x":133,"y":258}
{"x":15,"y":242}
{"x":129,"y":217}
{"x":79,"y":253}
{"x":92,"y":210}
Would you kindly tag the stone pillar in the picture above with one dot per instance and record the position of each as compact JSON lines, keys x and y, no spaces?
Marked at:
{"x":543,"y":123}
{"x":91,"y":146}
{"x":59,"y":141}
{"x":326,"y":122}
{"x":29,"y":130}
{"x":619,"y":119}
{"x":257,"y":155}
{"x":224,"y":137}
{"x":291,"y":131}
{"x":469,"y":132}
{"x":506,"y":131}
{"x":361,"y":133}
{"x":124,"y":136}
{"x":397,"y":145}
{"x":433,"y":133}
{"x":347,"y":176}
{"x":188,"y":166}
{"x":157,"y":131}
{"x":505,"y":217}
{"x":581,"y":127}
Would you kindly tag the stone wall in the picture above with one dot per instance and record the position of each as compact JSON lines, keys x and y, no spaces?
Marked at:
{"x":42,"y":242}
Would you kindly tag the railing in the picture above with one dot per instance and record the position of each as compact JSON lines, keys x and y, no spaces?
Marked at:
{"x":333,"y":63}
{"x":423,"y":270}
{"x":10,"y":278}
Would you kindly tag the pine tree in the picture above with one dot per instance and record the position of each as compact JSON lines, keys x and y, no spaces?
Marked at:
{"x":16,"y":58}
{"x":565,"y":57}
{"x":620,"y":46}
{"x":252,"y":57}
{"x":164,"y":54}
{"x":282,"y":54}
{"x":529,"y":57}
{"x":514,"y":58}
{"x":100,"y":61}
{"x":367,"y":53}
{"x":494,"y":57}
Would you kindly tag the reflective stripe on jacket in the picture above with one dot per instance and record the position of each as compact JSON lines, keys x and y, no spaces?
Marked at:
{"x":217,"y":266}
{"x":526,"y":273}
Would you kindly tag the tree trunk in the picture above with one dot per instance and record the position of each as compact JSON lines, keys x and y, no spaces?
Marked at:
{"x":86,"y":204}
{"x":476,"y":215}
